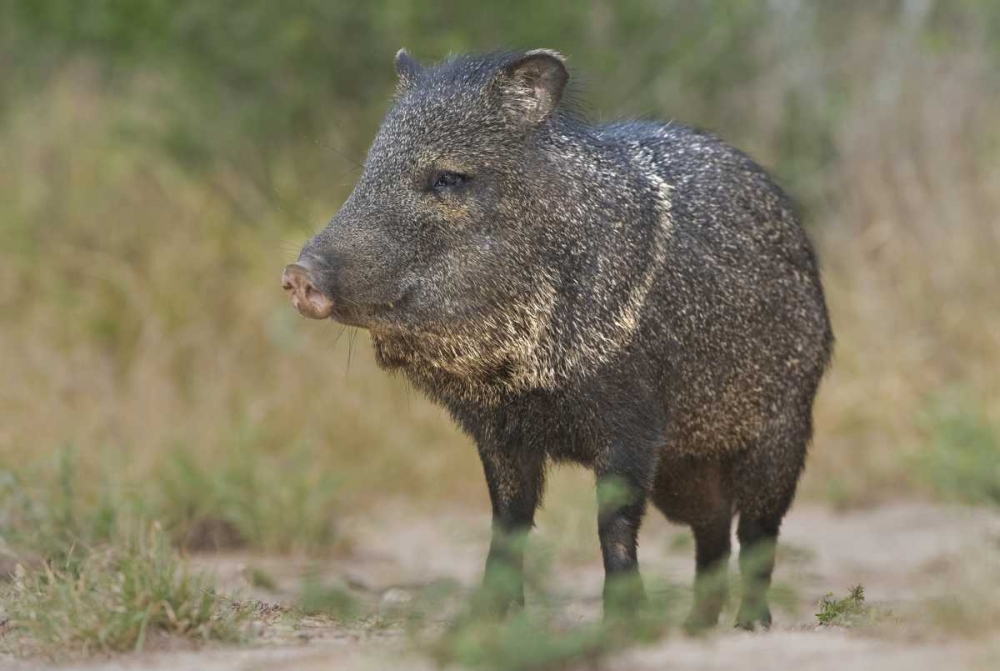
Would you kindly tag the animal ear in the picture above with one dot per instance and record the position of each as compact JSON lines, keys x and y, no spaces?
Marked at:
{"x":407,"y":69}
{"x":532,"y":84}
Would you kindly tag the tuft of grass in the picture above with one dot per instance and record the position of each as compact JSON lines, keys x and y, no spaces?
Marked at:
{"x":842,"y":611}
{"x":522,"y":642}
{"x":246,"y":497}
{"x":538,"y":637}
{"x":49,"y":511}
{"x":114,"y":599}
{"x":851,"y":611}
{"x":332,"y":600}
{"x":249,"y":498}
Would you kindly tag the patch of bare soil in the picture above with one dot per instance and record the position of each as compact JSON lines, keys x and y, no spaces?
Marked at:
{"x":905,"y":555}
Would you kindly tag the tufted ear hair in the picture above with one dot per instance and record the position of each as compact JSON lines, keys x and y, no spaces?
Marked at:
{"x":532,"y":84}
{"x":407,"y":69}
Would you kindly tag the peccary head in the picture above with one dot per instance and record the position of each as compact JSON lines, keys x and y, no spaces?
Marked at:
{"x":494,"y":241}
{"x":441,"y":250}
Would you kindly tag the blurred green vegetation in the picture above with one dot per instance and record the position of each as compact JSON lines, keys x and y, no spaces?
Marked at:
{"x":851,"y":611}
{"x":239,"y":81}
{"x":161,"y":160}
{"x":115,"y":600}
{"x":962,"y":461}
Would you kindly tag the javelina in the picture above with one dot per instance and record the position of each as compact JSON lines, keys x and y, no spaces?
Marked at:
{"x":637,"y":297}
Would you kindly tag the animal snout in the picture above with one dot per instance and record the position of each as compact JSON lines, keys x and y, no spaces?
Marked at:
{"x":297,"y":281}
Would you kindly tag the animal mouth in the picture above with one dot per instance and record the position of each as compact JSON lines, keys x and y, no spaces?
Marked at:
{"x":312,"y":302}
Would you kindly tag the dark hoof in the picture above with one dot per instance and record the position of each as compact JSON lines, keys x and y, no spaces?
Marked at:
{"x":624,"y":598}
{"x":701,"y":619}
{"x":697,"y":626}
{"x":753,"y":619}
{"x":705,"y":610}
{"x":490,"y":603}
{"x":502,"y":589}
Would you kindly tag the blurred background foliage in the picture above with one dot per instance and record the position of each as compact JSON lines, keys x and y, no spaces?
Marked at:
{"x":241,"y":81}
{"x":160,"y":161}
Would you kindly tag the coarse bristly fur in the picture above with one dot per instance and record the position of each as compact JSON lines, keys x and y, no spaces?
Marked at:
{"x":638,"y":297}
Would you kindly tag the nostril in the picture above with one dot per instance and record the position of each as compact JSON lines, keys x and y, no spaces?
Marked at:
{"x":305,"y":296}
{"x":295,"y":278}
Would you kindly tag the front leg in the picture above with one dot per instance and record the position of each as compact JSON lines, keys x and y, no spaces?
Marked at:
{"x":515,"y":478}
{"x":622,"y":489}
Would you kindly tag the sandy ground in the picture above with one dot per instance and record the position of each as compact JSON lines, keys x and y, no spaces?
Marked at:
{"x":903,"y":554}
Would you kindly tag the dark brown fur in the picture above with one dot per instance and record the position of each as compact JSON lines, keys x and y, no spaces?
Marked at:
{"x":636,"y":297}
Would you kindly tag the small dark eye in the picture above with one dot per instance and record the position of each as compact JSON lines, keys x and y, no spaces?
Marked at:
{"x":448,"y":180}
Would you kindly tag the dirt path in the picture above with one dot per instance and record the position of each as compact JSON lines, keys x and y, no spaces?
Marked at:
{"x":903,"y":554}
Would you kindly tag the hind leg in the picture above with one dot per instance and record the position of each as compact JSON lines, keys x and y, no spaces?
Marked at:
{"x":711,"y":579}
{"x":696,"y":492}
{"x":767,"y":476}
{"x":758,"y":542}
